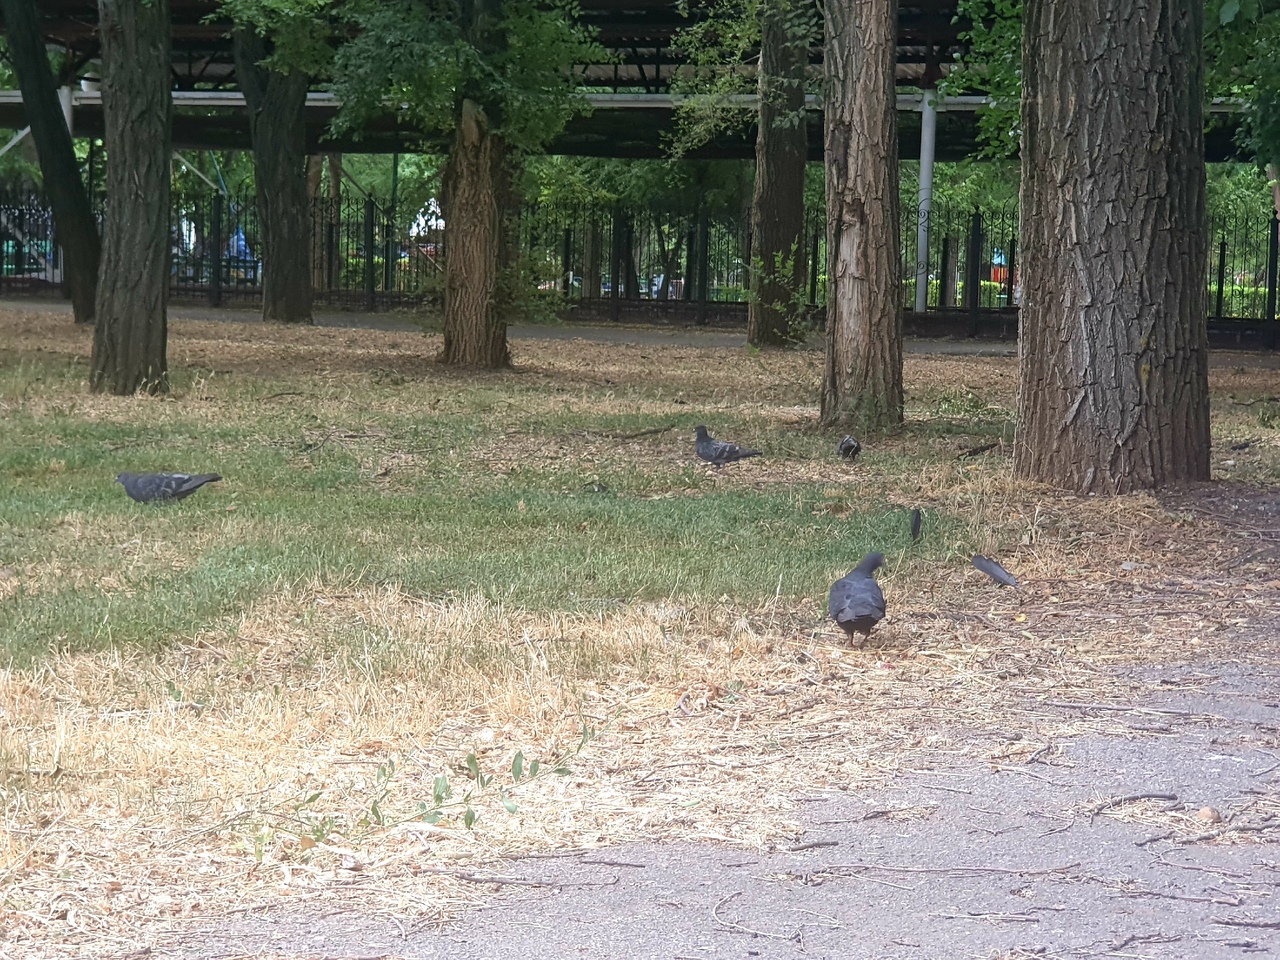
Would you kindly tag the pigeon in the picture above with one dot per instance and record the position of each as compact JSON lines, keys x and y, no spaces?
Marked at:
{"x":719,"y":452}
{"x":849,"y":448}
{"x":917,"y":525}
{"x":856,"y":602}
{"x":993,"y":570}
{"x":151,"y":487}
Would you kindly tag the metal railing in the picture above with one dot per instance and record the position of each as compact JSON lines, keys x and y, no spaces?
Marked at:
{"x":366,"y":254}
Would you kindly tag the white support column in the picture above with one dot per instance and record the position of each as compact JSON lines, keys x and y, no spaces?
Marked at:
{"x":928,"y":139}
{"x":64,"y":97}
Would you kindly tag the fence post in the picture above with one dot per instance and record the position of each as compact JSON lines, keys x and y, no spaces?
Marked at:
{"x":973,"y":271}
{"x":690,"y":272}
{"x":704,"y":265}
{"x":814,"y":267}
{"x":1012,"y":267}
{"x":213,"y":253}
{"x":946,"y":276}
{"x":615,"y":263}
{"x":1273,"y":249}
{"x":566,"y":262}
{"x":369,"y":212}
{"x":390,"y":251}
{"x":1222,"y":276}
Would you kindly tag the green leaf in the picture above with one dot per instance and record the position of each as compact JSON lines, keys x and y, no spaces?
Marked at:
{"x":473,"y":765}
{"x":517,"y":766}
{"x":508,"y":803}
{"x":431,"y":816}
{"x":1228,"y":11}
{"x":562,"y":771}
{"x":440,"y":790}
{"x":469,"y":818}
{"x":533,"y":769}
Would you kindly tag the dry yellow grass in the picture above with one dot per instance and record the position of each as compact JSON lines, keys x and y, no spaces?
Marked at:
{"x":241,"y":770}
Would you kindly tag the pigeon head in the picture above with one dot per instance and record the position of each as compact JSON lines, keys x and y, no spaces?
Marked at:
{"x":124,"y":477}
{"x":870,"y":564}
{"x":701,"y":432}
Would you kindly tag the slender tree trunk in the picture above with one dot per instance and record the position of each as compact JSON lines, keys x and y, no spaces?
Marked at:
{"x":72,"y":213}
{"x":862,"y":384}
{"x":129,"y":339}
{"x":777,"y":207}
{"x":277,"y":103}
{"x":477,"y":187}
{"x":1113,"y":377}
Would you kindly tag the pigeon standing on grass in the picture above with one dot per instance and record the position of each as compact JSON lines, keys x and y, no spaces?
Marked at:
{"x":153,"y":487}
{"x":849,"y":448}
{"x":719,"y":452}
{"x":996,"y":572}
{"x":856,"y":602}
{"x":917,"y":525}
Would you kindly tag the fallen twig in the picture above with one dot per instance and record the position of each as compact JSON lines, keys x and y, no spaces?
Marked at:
{"x":1131,"y":798}
{"x":1246,"y":922}
{"x":977,"y":451}
{"x":957,"y":871}
{"x":715,"y":914}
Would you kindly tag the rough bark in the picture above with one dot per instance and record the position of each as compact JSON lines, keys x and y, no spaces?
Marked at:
{"x":276,"y":103}
{"x":478,"y":189}
{"x":777,"y":205}
{"x":862,"y":383}
{"x":1113,"y":390}
{"x":129,"y":339}
{"x":72,"y":213}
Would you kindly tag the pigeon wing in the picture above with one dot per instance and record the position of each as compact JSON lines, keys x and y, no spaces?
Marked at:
{"x":993,"y":570}
{"x":856,"y":598}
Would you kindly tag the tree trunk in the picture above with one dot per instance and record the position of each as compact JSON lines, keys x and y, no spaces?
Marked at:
{"x":1113,"y":390}
{"x":129,"y":339}
{"x":276,"y":103}
{"x":477,"y":189}
{"x":72,"y":213}
{"x":315,"y":209}
{"x":862,"y":383}
{"x":777,"y":204}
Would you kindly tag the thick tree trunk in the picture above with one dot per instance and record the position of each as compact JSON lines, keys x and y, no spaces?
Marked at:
{"x":277,"y":103}
{"x":777,"y":205}
{"x":129,"y":339}
{"x":477,"y":191}
{"x":862,"y":384}
{"x":1114,"y":381}
{"x":72,"y":213}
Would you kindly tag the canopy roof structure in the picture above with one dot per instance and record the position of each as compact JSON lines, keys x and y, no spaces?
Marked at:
{"x":631,"y":97}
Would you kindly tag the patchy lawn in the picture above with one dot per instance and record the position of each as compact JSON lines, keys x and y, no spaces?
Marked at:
{"x":326,"y":665}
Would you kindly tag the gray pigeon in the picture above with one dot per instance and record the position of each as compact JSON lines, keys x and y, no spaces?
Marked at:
{"x":152,"y":487}
{"x":849,"y":448}
{"x":719,"y":452}
{"x":917,"y":525}
{"x":993,"y":570}
{"x":856,"y":602}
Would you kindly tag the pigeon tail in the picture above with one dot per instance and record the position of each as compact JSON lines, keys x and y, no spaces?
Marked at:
{"x":993,"y":570}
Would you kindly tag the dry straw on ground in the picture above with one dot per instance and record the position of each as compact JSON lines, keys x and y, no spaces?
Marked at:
{"x":283,"y":759}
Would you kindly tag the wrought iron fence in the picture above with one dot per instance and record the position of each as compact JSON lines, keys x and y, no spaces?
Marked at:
{"x":365,"y":253}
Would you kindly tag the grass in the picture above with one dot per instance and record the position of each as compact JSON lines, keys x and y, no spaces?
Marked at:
{"x":410,"y":574}
{"x":506,"y":490}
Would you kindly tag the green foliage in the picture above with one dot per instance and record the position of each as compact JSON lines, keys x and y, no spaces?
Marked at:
{"x":722,"y":51}
{"x":1242,"y":60}
{"x":992,"y":66}
{"x":300,"y":31}
{"x":425,"y":55}
{"x":719,"y":187}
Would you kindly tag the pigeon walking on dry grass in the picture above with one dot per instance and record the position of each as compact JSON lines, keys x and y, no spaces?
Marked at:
{"x":996,"y":572}
{"x":719,"y":452}
{"x":849,"y":448}
{"x":917,"y":525}
{"x":856,"y":602}
{"x":153,"y":487}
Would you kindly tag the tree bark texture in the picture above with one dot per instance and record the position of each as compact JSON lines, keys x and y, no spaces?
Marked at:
{"x":72,"y":213}
{"x":862,"y":383}
{"x":478,"y":192}
{"x":777,"y":204}
{"x":276,"y":103}
{"x":1113,"y":392}
{"x":129,"y":338}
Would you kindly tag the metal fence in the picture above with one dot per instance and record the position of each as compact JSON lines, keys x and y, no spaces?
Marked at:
{"x":365,"y":253}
